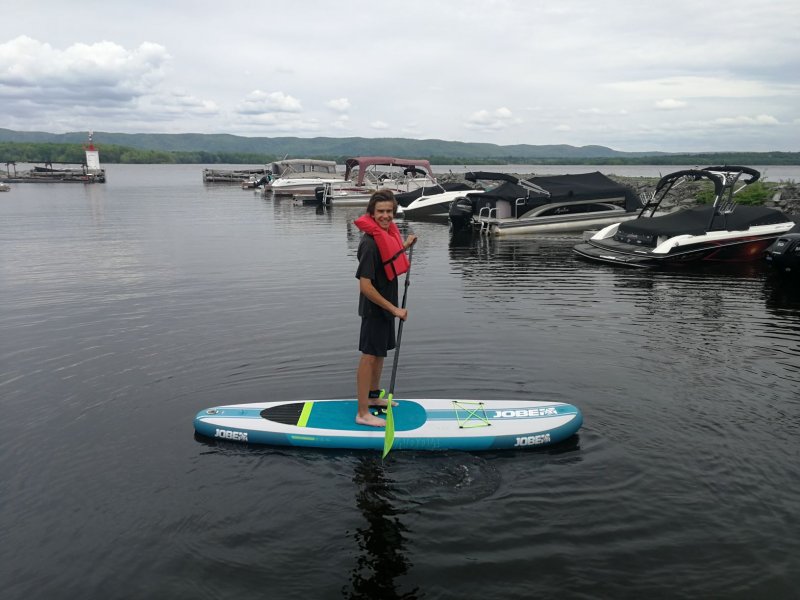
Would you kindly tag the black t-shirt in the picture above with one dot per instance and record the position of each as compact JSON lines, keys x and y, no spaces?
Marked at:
{"x":370,"y":266}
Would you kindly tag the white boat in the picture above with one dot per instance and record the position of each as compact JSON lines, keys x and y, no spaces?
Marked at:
{"x":365,"y":174}
{"x":4,"y":187}
{"x":435,"y":202}
{"x":720,"y":232}
{"x":300,"y":176}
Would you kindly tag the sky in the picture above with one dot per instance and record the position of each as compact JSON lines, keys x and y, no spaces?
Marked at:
{"x":633,"y":75}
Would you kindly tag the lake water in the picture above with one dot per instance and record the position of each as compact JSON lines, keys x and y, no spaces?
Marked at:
{"x":125,"y":308}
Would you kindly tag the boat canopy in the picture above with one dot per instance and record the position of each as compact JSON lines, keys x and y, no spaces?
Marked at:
{"x":558,"y":188}
{"x":695,"y":221}
{"x":364,"y":162}
{"x":294,"y":167}
{"x":475,"y":176}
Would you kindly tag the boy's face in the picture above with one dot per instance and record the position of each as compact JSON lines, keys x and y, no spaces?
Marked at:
{"x":384,"y":213}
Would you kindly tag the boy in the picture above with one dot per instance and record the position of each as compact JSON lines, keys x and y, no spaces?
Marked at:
{"x":381,"y":258}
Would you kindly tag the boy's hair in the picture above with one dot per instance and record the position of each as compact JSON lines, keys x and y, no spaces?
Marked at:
{"x":382,"y":196}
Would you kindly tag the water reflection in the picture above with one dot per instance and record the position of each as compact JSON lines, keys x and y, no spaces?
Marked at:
{"x":782,"y":293}
{"x":502,"y":267}
{"x":381,"y":542}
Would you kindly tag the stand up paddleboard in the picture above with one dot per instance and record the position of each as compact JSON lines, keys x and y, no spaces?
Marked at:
{"x":431,"y":424}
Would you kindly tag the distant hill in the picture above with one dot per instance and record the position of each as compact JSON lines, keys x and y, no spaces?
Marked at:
{"x":321,"y":146}
{"x":199,"y":148}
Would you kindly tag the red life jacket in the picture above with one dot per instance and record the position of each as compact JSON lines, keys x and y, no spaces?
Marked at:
{"x":390,"y":245}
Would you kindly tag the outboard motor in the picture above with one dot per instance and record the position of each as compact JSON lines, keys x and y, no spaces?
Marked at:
{"x":319,"y":194}
{"x":784,"y":253}
{"x":461,"y":211}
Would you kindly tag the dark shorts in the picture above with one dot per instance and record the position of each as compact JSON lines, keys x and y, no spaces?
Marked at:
{"x":377,"y":336}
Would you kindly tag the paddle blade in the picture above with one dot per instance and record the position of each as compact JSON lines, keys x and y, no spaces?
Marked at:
{"x":388,"y":440}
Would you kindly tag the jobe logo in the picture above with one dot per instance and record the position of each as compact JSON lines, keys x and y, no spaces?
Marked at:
{"x":549,"y":411}
{"x":239,"y":436}
{"x":533,"y":440}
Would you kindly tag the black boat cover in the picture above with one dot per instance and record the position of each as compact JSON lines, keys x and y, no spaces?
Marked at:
{"x":407,"y":198}
{"x":476,"y":176}
{"x":562,"y":188}
{"x":694,"y":221}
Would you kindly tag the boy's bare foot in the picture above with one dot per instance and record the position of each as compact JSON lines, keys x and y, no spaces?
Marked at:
{"x":380,"y":402}
{"x":370,"y":420}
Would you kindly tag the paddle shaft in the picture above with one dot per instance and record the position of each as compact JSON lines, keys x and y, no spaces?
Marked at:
{"x":400,"y":326}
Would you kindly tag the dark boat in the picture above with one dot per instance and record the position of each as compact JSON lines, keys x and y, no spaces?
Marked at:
{"x":723,"y":231}
{"x":545,"y":204}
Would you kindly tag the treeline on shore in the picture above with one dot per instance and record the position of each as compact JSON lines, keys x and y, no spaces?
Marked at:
{"x":32,"y":152}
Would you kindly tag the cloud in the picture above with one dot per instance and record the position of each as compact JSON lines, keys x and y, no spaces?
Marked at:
{"x":379,"y":125}
{"x":276,"y":123}
{"x":411,"y":129}
{"x":605,"y":112}
{"x":341,"y":123}
{"x":98,"y":73}
{"x":669,"y":104}
{"x":145,"y":78}
{"x":485,"y":120}
{"x":258,"y":102}
{"x":178,"y":103}
{"x":92,"y":85}
{"x":339,"y":104}
{"x":702,"y":87}
{"x":758,"y":120}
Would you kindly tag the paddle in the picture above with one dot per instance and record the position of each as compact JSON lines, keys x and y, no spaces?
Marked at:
{"x":388,"y":440}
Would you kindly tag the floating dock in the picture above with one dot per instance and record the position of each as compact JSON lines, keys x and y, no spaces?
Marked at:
{"x":88,"y":172}
{"x":49,"y":174}
{"x":236,"y":176}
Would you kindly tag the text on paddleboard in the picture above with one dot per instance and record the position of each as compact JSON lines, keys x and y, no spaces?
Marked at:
{"x":239,"y":436}
{"x":548,"y":411}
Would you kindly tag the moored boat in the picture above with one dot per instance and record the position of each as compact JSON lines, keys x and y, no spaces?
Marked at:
{"x":433,"y":202}
{"x":300,"y":176}
{"x":365,"y":174}
{"x":722,"y":231}
{"x":545,"y":204}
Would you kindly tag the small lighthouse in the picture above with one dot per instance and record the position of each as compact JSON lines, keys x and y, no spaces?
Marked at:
{"x":92,"y":156}
{"x":94,"y":174}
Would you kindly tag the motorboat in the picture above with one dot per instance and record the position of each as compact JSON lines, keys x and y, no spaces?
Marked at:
{"x":433,"y":202}
{"x":723,"y":231}
{"x":256,"y":181}
{"x":364,"y":175}
{"x":4,"y":187}
{"x":545,"y":204}
{"x":784,"y":253}
{"x":300,"y":176}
